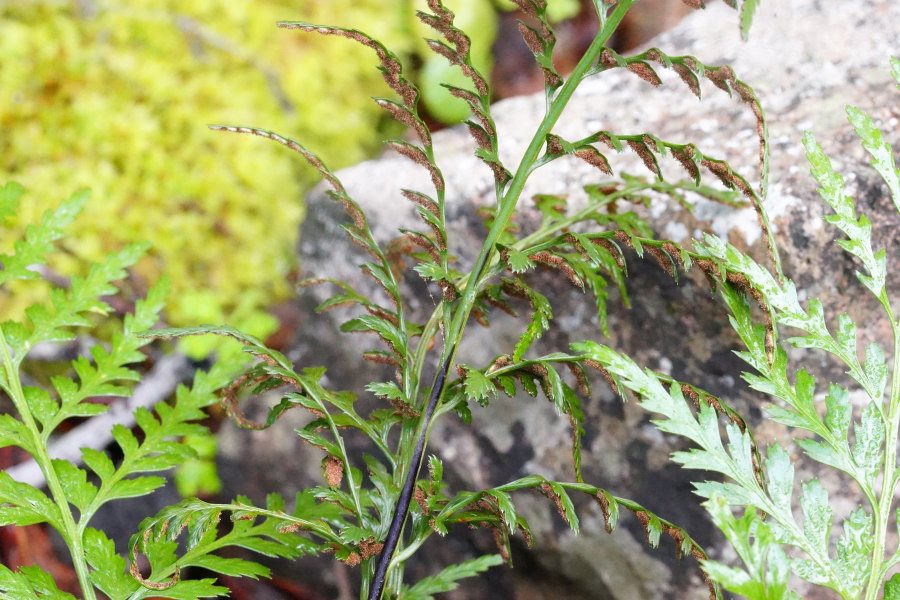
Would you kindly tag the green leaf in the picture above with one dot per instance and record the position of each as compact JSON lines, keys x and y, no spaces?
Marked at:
{"x":234,"y":567}
{"x":74,"y":483}
{"x":653,"y":529}
{"x":41,"y":404}
{"x":551,"y":206}
{"x":876,"y":372}
{"x":507,"y":509}
{"x":10,"y":194}
{"x":748,"y":9}
{"x":157,"y":451}
{"x":436,"y":473}
{"x":14,"y":433}
{"x":555,"y":390}
{"x":854,"y":552}
{"x":22,"y":504}
{"x":768,"y":571}
{"x":478,"y":387}
{"x":135,"y":487}
{"x":838,"y":411}
{"x":83,"y":296}
{"x":518,"y":261}
{"x":382,"y":274}
{"x":508,"y":384}
{"x":384,"y":328}
{"x":734,"y":580}
{"x":106,"y":375}
{"x":109,"y":570}
{"x":388,"y":390}
{"x":198,"y":476}
{"x":573,"y":409}
{"x":448,"y":579}
{"x":528,"y":384}
{"x":611,"y":514}
{"x":869,"y":433}
{"x":126,"y":440}
{"x":816,"y":515}
{"x":565,"y":506}
{"x":892,"y":585}
{"x":827,"y":455}
{"x":350,"y":295}
{"x":29,"y":583}
{"x":858,"y":231}
{"x":39,"y":238}
{"x":541,"y":314}
{"x":264,"y":531}
{"x":878,"y":148}
{"x":431,"y":270}
{"x":311,"y":435}
{"x":353,"y":535}
{"x":780,"y":474}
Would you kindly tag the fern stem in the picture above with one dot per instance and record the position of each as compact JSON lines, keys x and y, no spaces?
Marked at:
{"x":352,"y":484}
{"x":506,"y":208}
{"x":403,"y":501}
{"x":72,"y":533}
{"x":886,"y":498}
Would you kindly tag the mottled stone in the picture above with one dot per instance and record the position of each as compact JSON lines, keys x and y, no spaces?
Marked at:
{"x":806,"y":59}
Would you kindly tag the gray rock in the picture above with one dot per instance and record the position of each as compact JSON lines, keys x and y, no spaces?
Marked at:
{"x":805,"y":59}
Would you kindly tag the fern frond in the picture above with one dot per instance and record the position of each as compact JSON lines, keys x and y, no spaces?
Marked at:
{"x":29,"y":583}
{"x":857,"y":230}
{"x":68,"y":309}
{"x":406,"y":112}
{"x":879,"y":150}
{"x":359,"y":232}
{"x":782,"y":299}
{"x":690,"y":69}
{"x":390,"y":66}
{"x":648,"y":148}
{"x":269,"y":531}
{"x":446,"y":580}
{"x":757,"y":546}
{"x":456,"y":51}
{"x":156,"y":450}
{"x":495,"y":509}
{"x":10,"y":195}
{"x":109,"y":370}
{"x":773,"y":497}
{"x":32,"y":250}
{"x":540,"y":40}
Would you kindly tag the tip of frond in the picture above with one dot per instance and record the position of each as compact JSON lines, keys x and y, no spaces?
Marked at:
{"x":293,"y":24}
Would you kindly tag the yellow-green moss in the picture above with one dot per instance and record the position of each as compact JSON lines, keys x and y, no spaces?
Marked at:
{"x":115,"y":96}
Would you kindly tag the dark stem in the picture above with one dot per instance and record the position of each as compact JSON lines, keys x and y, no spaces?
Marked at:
{"x":406,"y":493}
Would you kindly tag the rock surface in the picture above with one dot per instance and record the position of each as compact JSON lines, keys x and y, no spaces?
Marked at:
{"x":805,"y":59}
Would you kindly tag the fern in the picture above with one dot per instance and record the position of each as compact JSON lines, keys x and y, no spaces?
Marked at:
{"x":376,"y":510}
{"x":856,"y":565}
{"x":372,"y":500}
{"x":76,"y":493}
{"x":446,"y":580}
